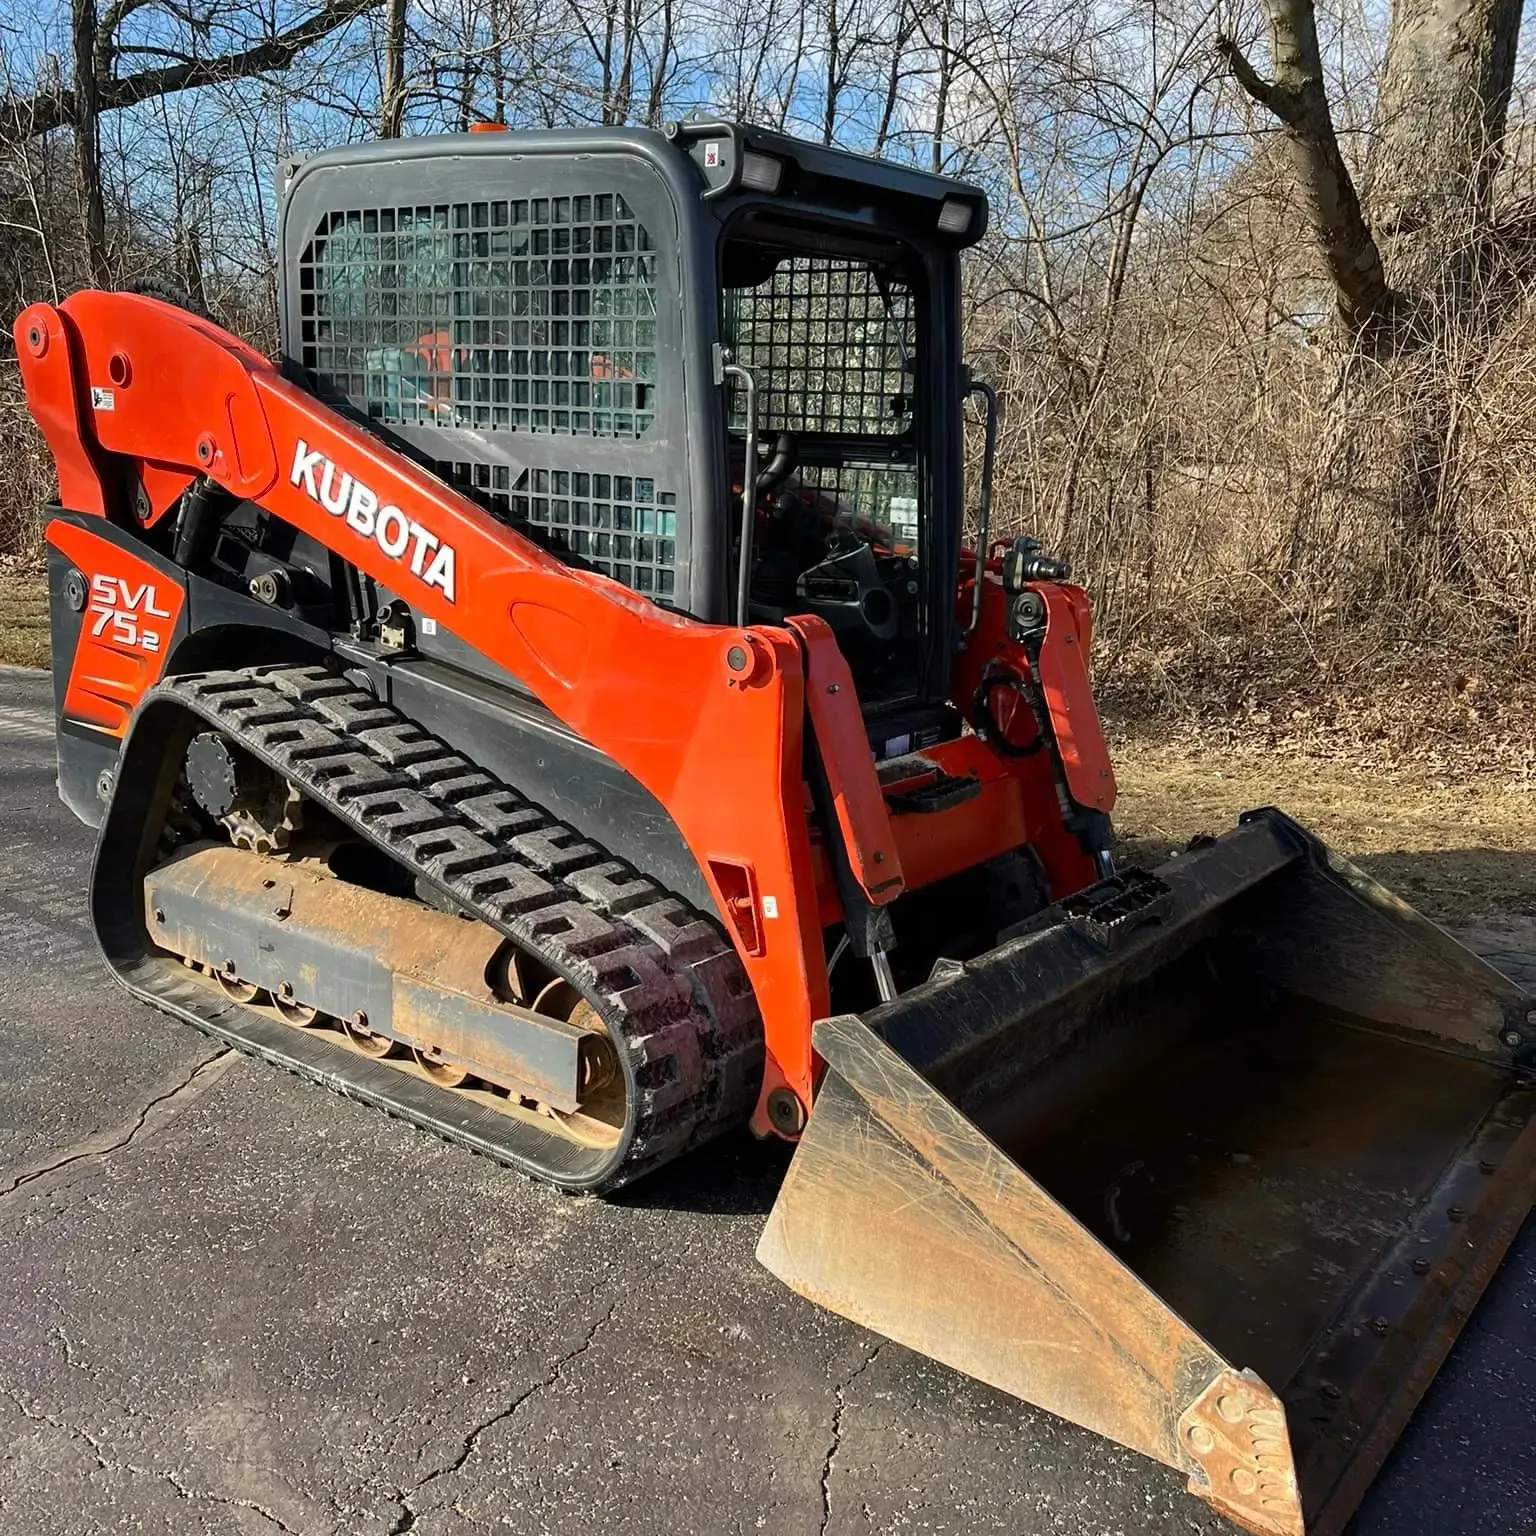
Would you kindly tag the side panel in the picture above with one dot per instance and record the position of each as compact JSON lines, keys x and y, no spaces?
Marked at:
{"x":83,"y":754}
{"x":121,"y":616}
{"x":116,"y":612}
{"x":131,"y":603}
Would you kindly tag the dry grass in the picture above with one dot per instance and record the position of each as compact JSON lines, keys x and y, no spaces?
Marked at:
{"x":24,"y":605}
{"x":1461,"y":847}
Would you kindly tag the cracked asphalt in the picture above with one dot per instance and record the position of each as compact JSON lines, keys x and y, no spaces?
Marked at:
{"x":230,"y":1302}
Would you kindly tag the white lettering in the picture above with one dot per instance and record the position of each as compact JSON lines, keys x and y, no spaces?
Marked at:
{"x":305,"y":462}
{"x":338,"y":504}
{"x":393,"y":531}
{"x":425,"y":543}
{"x":343,"y":495}
{"x":364,"y":506}
{"x":118,"y":613}
{"x":440,"y":572}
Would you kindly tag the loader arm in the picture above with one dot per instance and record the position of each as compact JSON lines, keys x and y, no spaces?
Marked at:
{"x":708,"y":719}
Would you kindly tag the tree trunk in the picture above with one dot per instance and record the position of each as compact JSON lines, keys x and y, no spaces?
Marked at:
{"x":1408,"y":261}
{"x":834,"y":74}
{"x":661,"y":71}
{"x":942,"y":90}
{"x":83,"y":30}
{"x":1438,"y":128}
{"x":392,"y":107}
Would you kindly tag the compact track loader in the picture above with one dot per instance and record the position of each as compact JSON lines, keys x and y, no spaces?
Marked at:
{"x":557,"y":705}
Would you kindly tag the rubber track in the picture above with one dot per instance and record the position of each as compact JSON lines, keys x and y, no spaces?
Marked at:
{"x":666,"y":982}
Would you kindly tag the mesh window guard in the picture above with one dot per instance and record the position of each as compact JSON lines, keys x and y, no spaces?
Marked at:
{"x":527,"y":314}
{"x":827,"y":347}
{"x":882,"y":497}
{"x":621,"y":525}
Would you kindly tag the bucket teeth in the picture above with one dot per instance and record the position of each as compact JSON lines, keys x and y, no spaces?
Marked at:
{"x":1237,"y":1435}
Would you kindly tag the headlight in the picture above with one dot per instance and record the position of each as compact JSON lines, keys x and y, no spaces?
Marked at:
{"x":954,"y":216}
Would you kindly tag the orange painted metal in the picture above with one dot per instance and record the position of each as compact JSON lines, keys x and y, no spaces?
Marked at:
{"x":1015,"y":806}
{"x":1062,"y":675}
{"x":163,"y":487}
{"x":45,"y":350}
{"x":720,"y":748}
{"x":833,"y":704}
{"x":129,"y":618}
{"x":1063,"y":669}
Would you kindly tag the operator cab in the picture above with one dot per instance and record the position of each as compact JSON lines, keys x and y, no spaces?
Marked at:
{"x":601,"y":335}
{"x":839,"y":357}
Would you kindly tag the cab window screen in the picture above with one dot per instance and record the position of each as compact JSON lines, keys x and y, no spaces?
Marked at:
{"x":528,"y":314}
{"x":828,"y":341}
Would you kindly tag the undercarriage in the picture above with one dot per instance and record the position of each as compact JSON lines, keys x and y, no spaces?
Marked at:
{"x":372,"y":911}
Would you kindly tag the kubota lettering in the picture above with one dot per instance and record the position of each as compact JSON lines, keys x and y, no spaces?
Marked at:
{"x":344,"y":496}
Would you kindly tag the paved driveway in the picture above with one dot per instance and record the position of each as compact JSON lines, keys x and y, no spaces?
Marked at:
{"x":232,"y":1303}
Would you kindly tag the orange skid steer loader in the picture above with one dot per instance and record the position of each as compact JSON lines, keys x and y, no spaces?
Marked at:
{"x":556,"y":704}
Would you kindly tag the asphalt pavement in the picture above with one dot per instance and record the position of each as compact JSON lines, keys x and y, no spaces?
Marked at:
{"x":231,"y":1302}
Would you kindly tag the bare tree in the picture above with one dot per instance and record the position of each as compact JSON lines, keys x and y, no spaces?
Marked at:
{"x":30,"y":113}
{"x":1416,"y":276}
{"x":392,"y":110}
{"x":84,"y":37}
{"x":1296,"y":95}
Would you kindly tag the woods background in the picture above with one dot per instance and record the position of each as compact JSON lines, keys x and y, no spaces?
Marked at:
{"x":1259,"y":294}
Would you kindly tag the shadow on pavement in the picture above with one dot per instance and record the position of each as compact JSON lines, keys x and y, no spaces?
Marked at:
{"x":736,"y":1175}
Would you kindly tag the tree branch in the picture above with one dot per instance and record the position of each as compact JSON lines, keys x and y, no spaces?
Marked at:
{"x":1246,"y":75}
{"x":29,"y":116}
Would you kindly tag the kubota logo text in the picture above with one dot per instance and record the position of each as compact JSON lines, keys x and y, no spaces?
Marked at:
{"x":399,"y":536}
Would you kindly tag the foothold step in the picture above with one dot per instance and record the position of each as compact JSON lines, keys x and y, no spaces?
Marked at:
{"x":1115,"y":908}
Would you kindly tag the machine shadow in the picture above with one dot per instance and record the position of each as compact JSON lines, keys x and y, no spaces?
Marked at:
{"x":1460,"y":886}
{"x":737,"y":1175}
